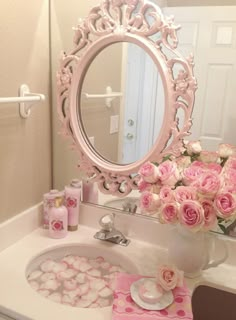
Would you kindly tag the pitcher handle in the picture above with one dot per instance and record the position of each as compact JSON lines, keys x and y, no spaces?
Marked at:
{"x":215,"y":263}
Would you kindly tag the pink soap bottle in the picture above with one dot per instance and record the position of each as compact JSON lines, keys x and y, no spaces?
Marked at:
{"x":73,"y":197}
{"x":58,"y":219}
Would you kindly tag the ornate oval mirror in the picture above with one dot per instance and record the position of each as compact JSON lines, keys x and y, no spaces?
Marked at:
{"x":138,"y":24}
{"x":130,"y":122}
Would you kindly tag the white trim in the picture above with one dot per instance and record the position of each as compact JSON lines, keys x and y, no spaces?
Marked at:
{"x":19,"y":226}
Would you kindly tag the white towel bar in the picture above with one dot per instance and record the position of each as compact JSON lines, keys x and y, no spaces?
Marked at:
{"x":25,"y":99}
{"x":109,"y":96}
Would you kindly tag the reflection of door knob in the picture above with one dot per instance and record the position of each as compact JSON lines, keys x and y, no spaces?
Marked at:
{"x":129,"y":136}
{"x":130,"y":122}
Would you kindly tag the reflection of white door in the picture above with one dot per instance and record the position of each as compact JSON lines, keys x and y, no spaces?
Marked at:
{"x":143,"y":111}
{"x":210,"y":33}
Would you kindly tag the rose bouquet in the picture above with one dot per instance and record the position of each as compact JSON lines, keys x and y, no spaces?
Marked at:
{"x":196,"y":189}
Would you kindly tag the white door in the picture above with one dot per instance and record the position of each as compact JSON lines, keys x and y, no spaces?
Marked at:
{"x":143,"y":104}
{"x":210,"y":33}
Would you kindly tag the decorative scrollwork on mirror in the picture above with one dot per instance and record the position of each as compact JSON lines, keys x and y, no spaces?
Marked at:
{"x":142,"y":23}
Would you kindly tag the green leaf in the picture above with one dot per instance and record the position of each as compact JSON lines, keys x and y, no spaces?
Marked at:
{"x":223,"y":228}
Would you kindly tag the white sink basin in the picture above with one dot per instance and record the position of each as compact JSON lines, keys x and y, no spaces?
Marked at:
{"x":88,"y":251}
{"x":80,"y":276}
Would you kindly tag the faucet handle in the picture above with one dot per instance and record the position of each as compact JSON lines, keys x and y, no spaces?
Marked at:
{"x":107,"y":221}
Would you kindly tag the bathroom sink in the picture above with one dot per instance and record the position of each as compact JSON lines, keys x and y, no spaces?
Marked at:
{"x":209,"y":303}
{"x":81,"y":276}
{"x":88,"y":251}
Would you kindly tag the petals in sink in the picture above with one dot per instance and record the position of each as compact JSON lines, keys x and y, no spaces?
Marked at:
{"x":34,"y":275}
{"x":47,"y":265}
{"x":70,"y":284}
{"x":48,"y":276}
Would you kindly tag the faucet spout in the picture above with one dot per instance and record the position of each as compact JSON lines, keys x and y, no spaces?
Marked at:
{"x":109,"y":233}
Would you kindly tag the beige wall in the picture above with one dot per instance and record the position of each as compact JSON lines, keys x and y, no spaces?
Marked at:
{"x":65,"y":161}
{"x":25,"y":161}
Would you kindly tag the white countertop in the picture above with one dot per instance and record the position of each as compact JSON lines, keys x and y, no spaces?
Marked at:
{"x":18,"y":299}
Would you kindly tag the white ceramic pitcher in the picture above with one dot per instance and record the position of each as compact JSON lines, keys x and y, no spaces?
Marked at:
{"x":191,"y":252}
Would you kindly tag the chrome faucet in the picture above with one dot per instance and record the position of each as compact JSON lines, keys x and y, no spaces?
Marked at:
{"x":109,"y":232}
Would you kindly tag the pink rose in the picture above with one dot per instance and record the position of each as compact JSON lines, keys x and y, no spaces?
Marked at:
{"x":191,"y":215}
{"x":168,"y":173}
{"x":225,"y":205}
{"x":226,"y":150}
{"x":144,"y":185}
{"x":193,"y":147}
{"x":149,"y":172}
{"x":183,"y":193}
{"x":191,"y":174}
{"x":199,"y":164}
{"x":150,"y":202}
{"x":231,"y":163}
{"x":169,"y":277}
{"x":169,"y":213}
{"x":208,"y":184}
{"x":209,"y":214}
{"x":215,"y":167}
{"x":230,"y":176}
{"x":208,"y":156}
{"x":182,"y":162}
{"x":166,"y":194}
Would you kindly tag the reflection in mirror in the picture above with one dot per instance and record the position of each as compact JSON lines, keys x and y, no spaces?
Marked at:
{"x":126,"y":130}
{"x":208,"y":32}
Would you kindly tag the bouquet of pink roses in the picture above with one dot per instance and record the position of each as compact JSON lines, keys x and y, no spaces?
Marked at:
{"x":196,"y":189}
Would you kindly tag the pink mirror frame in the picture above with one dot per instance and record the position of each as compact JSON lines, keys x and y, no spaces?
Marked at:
{"x":126,"y":21}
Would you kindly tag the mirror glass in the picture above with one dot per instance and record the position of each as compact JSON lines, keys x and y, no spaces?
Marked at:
{"x":209,"y":31}
{"x":124,"y":129}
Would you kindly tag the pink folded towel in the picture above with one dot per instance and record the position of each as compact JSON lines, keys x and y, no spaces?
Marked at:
{"x":124,"y":308}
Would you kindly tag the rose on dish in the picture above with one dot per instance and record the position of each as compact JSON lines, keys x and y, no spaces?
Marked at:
{"x":149,"y":172}
{"x":169,"y":213}
{"x":168,"y":173}
{"x":183,"y":193}
{"x":169,"y":277}
{"x":191,"y":215}
{"x":150,"y":202}
{"x":225,"y":205}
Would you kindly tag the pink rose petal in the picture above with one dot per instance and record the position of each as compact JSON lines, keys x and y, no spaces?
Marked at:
{"x":34,"y":284}
{"x":103,"y":302}
{"x":47,"y":266}
{"x":34,"y":275}
{"x":81,"y":303}
{"x":81,"y":278}
{"x":48,"y":276}
{"x":92,"y":296}
{"x":56,"y":297}
{"x":84,"y":266}
{"x":94,"y":273}
{"x":105,"y":293}
{"x":44,"y":292}
{"x":70,"y":284}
